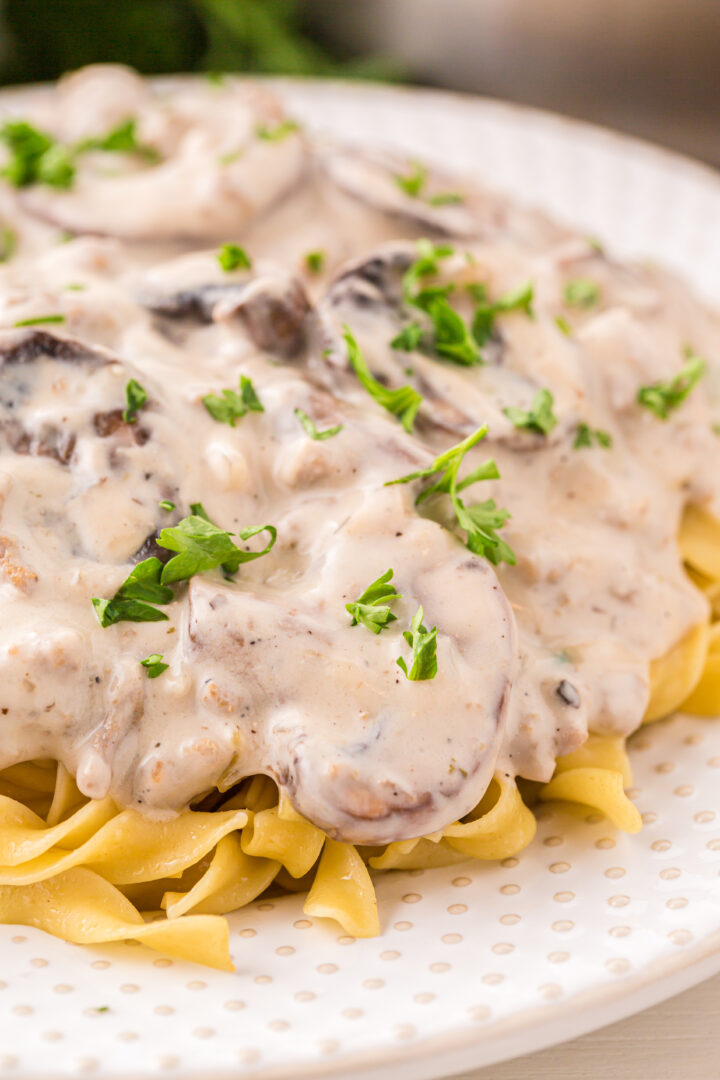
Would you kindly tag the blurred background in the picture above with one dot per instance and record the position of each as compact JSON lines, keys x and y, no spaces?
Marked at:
{"x":648,"y":67}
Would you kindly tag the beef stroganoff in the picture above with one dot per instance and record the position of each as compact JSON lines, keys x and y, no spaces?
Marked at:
{"x":346,"y":511}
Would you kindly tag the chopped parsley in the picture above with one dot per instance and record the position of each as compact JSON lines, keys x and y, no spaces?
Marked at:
{"x":423,"y":643}
{"x":233,"y":257}
{"x":403,"y":402}
{"x":135,"y":396}
{"x":663,"y":397}
{"x":539,"y":417}
{"x":585,"y":436}
{"x":409,"y":337}
{"x":315,"y":261}
{"x":34,"y":157}
{"x":372,"y":609}
{"x":414,"y":181}
{"x":154,"y":666}
{"x":135,"y":599}
{"x":446,"y":198}
{"x":166,"y":504}
{"x":8,"y":243}
{"x":311,"y":430}
{"x":563,"y":325}
{"x":277,"y":132}
{"x":716,"y":430}
{"x":199,"y":546}
{"x":520,"y":299}
{"x":481,"y":520}
{"x":582,"y":293}
{"x":38,"y":320}
{"x":233,"y":404}
{"x":120,"y":140}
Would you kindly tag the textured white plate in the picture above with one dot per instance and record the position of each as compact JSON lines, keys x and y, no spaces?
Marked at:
{"x":478,"y":962}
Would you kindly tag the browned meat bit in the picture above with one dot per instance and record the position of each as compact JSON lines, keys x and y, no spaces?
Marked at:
{"x":22,"y":577}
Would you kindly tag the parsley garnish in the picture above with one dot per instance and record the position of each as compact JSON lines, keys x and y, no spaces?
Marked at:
{"x":563,"y":325}
{"x":414,"y":182}
{"x":446,"y":198}
{"x":8,"y":243}
{"x":233,"y":257}
{"x":662,"y":397}
{"x":585,"y":435}
{"x":520,"y":299}
{"x":154,"y":665}
{"x":582,"y":293}
{"x":539,"y":417}
{"x":278,"y":132}
{"x":35,"y":157}
{"x":315,"y":261}
{"x":232,"y":405}
{"x":120,"y":140}
{"x":403,"y":402}
{"x":134,"y":599}
{"x":311,"y":429}
{"x":480,"y":521}
{"x":166,"y":504}
{"x":452,"y":337}
{"x":38,"y":320}
{"x":372,"y":609}
{"x":424,"y":650}
{"x":200,"y":546}
{"x":409,"y":337}
{"x":716,"y":430}
{"x":136,"y":396}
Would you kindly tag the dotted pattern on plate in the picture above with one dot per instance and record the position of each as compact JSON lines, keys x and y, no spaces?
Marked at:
{"x":473,"y":945}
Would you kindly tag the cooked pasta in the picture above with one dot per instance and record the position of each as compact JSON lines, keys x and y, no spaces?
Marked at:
{"x":459,"y":534}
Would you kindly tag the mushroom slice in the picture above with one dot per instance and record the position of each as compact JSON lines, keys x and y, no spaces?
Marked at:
{"x":271,"y":305}
{"x":365,"y":753}
{"x":207,"y":159}
{"x":376,"y":180}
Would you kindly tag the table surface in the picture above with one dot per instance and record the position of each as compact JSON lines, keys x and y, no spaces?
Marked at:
{"x":676,"y":1040}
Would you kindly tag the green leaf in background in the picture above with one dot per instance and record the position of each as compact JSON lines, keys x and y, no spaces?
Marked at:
{"x":41,"y":39}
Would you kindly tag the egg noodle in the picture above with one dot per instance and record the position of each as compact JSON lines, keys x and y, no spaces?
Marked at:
{"x":89,"y":873}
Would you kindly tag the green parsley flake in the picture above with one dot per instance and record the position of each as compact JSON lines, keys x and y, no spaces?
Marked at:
{"x":199,"y":545}
{"x":233,"y":257}
{"x":446,"y":198}
{"x":233,"y":405}
{"x":716,"y":430}
{"x":372,"y":609}
{"x":38,"y":320}
{"x":166,"y":504}
{"x":315,"y":261}
{"x":585,"y":436}
{"x":8,"y":243}
{"x":481,"y":520}
{"x":663,"y":397}
{"x":135,"y":396}
{"x":278,"y":132}
{"x":414,"y":181}
{"x":563,"y":325}
{"x":409,"y":338}
{"x":311,"y":430}
{"x":34,"y":157}
{"x":520,"y":299}
{"x":539,"y":417}
{"x":154,"y":666}
{"x":582,"y":293}
{"x":424,"y":650}
{"x":120,"y":140}
{"x":402,"y":402}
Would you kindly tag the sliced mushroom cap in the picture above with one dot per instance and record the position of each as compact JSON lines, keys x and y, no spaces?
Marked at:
{"x":338,"y":705}
{"x":270,"y":304}
{"x":207,"y":173}
{"x":62,"y":399}
{"x":374,"y":179}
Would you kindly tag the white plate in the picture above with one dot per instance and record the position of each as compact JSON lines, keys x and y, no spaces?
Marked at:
{"x":476,"y":963}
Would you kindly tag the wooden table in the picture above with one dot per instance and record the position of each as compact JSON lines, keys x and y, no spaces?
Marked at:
{"x":676,"y":1040}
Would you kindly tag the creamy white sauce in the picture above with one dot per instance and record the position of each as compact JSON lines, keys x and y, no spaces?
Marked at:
{"x":266,"y":673}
